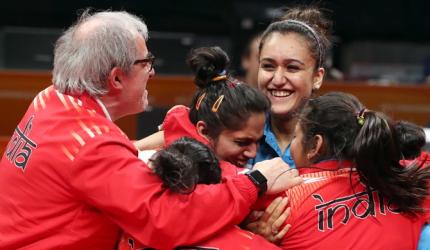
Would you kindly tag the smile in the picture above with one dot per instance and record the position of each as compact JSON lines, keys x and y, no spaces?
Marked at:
{"x":280,"y":93}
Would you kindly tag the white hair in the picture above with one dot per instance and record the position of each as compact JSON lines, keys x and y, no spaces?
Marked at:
{"x":87,"y":51}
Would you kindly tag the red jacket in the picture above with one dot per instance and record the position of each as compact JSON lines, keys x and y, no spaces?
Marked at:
{"x":70,"y":179}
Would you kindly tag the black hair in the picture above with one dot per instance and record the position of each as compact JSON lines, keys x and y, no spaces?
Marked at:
{"x":374,"y":147}
{"x":319,"y":42}
{"x":184,"y":164}
{"x":412,"y":139}
{"x":239,"y":100}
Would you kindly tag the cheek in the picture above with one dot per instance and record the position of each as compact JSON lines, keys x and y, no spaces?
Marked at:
{"x":263,"y":79}
{"x":295,"y":151}
{"x":226,"y":149}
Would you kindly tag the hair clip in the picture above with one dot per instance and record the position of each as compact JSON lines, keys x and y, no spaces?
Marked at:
{"x":360,"y":117}
{"x":219,"y":78}
{"x":217,"y":103}
{"x":199,"y":101}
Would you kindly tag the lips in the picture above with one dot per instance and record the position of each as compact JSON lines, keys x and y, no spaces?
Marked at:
{"x":280,"y":93}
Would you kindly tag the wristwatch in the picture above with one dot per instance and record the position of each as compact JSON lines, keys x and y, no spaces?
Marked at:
{"x":259,"y":180}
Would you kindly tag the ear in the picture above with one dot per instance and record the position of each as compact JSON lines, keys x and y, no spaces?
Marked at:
{"x":318,"y":78}
{"x":317,"y":148}
{"x":202,"y":129}
{"x":114,"y":79}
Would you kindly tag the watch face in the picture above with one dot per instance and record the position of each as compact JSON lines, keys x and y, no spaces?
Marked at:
{"x":257,"y":175}
{"x":259,"y":181}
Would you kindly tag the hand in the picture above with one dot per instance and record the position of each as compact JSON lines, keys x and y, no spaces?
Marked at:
{"x":269,"y":222}
{"x":279,"y":175}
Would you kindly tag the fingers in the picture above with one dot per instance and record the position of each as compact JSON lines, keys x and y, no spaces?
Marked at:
{"x":277,"y":237}
{"x":277,"y":213}
{"x":287,"y":179}
{"x":280,"y":218}
{"x":253,"y":226}
{"x":271,"y":208}
{"x":255,"y":215}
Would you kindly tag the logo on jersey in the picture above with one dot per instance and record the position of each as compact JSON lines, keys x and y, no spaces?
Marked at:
{"x":360,"y":205}
{"x":20,"y":147}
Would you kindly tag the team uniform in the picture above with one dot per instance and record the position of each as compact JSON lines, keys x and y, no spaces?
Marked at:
{"x":268,"y":148}
{"x":175,"y":126}
{"x":70,"y":179}
{"x":332,"y":210}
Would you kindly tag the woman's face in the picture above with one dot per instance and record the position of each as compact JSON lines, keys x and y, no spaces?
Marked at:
{"x":238,"y":146}
{"x":287,"y":72}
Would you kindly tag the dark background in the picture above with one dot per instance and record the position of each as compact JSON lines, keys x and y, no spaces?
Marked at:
{"x":205,"y":22}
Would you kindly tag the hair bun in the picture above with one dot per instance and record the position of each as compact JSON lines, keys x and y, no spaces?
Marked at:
{"x":207,"y":63}
{"x":315,"y":18}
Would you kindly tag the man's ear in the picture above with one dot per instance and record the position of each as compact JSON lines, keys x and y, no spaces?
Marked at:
{"x":114,"y":79}
{"x":317,"y":148}
{"x":202,"y":129}
{"x":318,"y":79}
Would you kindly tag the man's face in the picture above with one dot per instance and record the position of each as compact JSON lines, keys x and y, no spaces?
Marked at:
{"x":135,"y":95}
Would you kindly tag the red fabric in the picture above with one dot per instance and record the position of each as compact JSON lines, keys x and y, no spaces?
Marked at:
{"x":82,"y":182}
{"x":320,"y":219}
{"x":177,"y":125}
{"x":423,"y":160}
{"x":231,"y":239}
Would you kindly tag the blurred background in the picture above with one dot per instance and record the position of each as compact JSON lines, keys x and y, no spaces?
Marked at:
{"x":385,"y":41}
{"x":381,"y":52}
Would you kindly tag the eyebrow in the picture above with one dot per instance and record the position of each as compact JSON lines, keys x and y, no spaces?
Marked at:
{"x":283,"y":61}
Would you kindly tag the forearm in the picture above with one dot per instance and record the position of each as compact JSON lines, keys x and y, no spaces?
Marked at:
{"x":153,"y":141}
{"x":132,"y":196}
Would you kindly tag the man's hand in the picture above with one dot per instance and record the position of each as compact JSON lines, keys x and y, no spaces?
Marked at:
{"x":279,"y":175}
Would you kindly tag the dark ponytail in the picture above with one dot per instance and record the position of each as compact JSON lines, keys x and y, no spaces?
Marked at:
{"x":221,"y":101}
{"x":373,"y":145}
{"x":186,"y":163}
{"x":378,"y":152}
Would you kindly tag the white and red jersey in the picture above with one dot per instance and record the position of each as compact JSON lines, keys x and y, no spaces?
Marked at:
{"x":70,"y":179}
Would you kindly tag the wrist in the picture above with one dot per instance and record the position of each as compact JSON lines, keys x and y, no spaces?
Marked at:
{"x":259,"y":180}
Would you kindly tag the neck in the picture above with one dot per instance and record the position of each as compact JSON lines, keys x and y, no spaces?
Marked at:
{"x":112,"y":107}
{"x":283,"y":130}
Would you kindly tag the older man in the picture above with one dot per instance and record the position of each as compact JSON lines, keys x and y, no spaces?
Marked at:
{"x":70,"y":178}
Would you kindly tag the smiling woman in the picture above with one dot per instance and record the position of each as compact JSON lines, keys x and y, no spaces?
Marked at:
{"x":291,"y":57}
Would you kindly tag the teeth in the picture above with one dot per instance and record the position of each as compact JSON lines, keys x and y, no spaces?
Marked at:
{"x":280,"y":93}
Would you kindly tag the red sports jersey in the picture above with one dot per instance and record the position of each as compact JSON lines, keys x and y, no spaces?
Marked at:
{"x":332,"y":210}
{"x":70,"y":179}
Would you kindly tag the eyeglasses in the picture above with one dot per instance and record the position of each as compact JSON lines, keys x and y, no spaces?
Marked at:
{"x":149,"y":60}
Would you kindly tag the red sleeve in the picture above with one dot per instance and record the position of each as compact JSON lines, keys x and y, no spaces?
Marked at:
{"x":177,"y":124}
{"x":108,"y":175}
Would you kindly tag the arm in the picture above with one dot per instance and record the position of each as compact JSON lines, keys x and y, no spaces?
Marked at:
{"x":107,"y":175}
{"x":153,"y":141}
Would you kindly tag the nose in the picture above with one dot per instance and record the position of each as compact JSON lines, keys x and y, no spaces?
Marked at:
{"x":152,"y":72}
{"x":279,"y":77}
{"x":251,"y":151}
